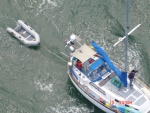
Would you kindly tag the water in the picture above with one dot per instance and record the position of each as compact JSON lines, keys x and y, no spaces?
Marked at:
{"x":33,"y":80}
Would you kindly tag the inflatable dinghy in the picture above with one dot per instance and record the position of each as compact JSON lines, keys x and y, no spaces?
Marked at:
{"x":25,"y":34}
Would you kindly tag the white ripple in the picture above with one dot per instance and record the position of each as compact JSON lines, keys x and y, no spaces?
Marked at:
{"x":69,"y":109}
{"x":49,"y":2}
{"x":43,"y":86}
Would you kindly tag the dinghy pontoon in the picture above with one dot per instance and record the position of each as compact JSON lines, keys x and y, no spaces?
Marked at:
{"x":25,"y":34}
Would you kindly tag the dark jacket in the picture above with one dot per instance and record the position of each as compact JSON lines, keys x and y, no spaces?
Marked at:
{"x":132,"y":73}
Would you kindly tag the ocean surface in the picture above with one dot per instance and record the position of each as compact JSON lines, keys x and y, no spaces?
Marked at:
{"x":35,"y":80}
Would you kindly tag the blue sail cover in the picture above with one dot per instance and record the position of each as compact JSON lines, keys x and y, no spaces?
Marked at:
{"x":121,"y":75}
{"x":96,"y":64}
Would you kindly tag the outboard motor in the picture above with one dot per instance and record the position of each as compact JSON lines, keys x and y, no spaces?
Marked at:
{"x":71,"y":41}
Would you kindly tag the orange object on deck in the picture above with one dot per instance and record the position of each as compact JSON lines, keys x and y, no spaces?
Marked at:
{"x":79,"y":64}
{"x":91,"y":60}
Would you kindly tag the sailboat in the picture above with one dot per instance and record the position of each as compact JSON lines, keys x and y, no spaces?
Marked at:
{"x":102,"y":81}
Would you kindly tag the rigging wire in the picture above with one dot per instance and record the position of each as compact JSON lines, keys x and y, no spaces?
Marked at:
{"x":126,"y":33}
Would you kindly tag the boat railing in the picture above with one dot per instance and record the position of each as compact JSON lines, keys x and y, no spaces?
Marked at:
{"x":117,"y":65}
{"x":141,"y":83}
{"x":98,"y":88}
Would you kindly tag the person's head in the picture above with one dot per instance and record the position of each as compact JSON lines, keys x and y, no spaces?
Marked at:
{"x":78,"y":60}
{"x":134,"y":71}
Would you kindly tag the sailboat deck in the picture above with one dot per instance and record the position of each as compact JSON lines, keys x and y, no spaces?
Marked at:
{"x":137,"y":98}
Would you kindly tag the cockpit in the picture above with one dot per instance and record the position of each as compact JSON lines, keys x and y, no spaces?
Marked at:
{"x":97,"y":70}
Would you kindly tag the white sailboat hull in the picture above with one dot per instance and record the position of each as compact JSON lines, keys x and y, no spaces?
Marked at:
{"x":102,"y":107}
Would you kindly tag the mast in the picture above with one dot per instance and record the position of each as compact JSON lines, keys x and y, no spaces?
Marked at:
{"x":126,"y":33}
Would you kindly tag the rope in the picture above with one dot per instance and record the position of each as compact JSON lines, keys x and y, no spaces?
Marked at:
{"x":54,"y":53}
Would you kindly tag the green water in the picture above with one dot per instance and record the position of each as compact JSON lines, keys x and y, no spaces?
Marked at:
{"x":33,"y":80}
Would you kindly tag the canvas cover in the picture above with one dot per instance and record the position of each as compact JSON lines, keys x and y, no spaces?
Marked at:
{"x":96,"y":64}
{"x":83,"y":53}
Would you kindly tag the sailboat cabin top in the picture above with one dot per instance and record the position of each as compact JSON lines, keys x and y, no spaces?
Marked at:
{"x":83,"y":53}
{"x":90,"y":63}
